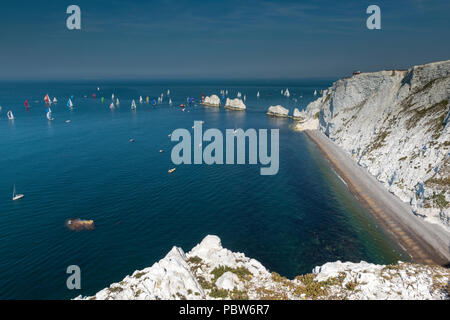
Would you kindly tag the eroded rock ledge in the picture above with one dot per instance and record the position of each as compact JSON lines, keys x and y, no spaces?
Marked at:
{"x":210,"y":271}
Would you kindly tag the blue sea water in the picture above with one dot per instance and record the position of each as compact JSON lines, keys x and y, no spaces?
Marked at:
{"x":302,"y":217}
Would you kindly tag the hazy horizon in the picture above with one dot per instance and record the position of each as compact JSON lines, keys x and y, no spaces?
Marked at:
{"x":217,"y":40}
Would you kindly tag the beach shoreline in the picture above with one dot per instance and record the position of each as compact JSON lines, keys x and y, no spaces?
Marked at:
{"x":424,"y":242}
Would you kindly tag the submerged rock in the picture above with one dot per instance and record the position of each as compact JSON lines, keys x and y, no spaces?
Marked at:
{"x":210,"y":271}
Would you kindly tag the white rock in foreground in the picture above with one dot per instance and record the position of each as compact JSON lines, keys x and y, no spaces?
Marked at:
{"x":278,"y":111}
{"x":209,"y":271}
{"x":235,"y":104}
{"x":213,"y":101}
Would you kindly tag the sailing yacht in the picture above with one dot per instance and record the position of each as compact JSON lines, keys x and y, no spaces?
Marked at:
{"x":111,"y":106}
{"x":117,"y":102}
{"x":257,"y":95}
{"x":141,"y":100}
{"x":16,"y":196}
{"x":49,"y":114}
{"x":47,"y":99}
{"x":69,"y":104}
{"x":315,"y":92}
{"x":55,"y":100}
{"x":10,"y":115}
{"x":133,"y":105}
{"x":170,"y":101}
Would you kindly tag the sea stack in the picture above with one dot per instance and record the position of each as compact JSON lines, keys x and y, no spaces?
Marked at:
{"x":278,"y":111}
{"x":212,"y":101}
{"x":235,"y":104}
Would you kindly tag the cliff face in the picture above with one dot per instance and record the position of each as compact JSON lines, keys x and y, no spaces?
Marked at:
{"x":210,"y":271}
{"x":395,"y":124}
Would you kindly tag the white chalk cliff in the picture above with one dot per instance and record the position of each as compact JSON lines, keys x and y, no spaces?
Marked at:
{"x":395,"y":124}
{"x":210,"y":271}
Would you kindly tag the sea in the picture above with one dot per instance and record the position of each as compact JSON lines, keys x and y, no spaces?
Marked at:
{"x":302,"y":217}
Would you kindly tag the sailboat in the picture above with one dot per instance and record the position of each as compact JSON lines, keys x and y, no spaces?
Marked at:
{"x":111,"y":106}
{"x":47,"y":99}
{"x":10,"y":115}
{"x":49,"y":114}
{"x":117,"y":102}
{"x":112,"y":97}
{"x":141,"y":100}
{"x":315,"y":92}
{"x":69,"y":104}
{"x":147,"y":100}
{"x":170,"y":101}
{"x":55,"y":100}
{"x":133,"y":105}
{"x":287,"y":93}
{"x":26,"y":104}
{"x":168,"y":92}
{"x":16,"y":196}
{"x":257,"y":95}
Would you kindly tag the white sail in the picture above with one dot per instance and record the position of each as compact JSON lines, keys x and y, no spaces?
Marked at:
{"x":117,"y":101}
{"x":257,"y":95}
{"x":16,"y":196}
{"x":287,"y":93}
{"x":112,"y":96}
{"x":140,"y":99}
{"x":315,"y":92}
{"x":55,"y":100}
{"x":245,"y":97}
{"x":168,"y":92}
{"x":239,"y":94}
{"x":133,"y":105}
{"x":10,"y":115}
{"x":111,"y":106}
{"x":49,"y":114}
{"x":170,"y":101}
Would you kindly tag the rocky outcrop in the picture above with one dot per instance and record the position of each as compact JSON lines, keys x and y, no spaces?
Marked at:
{"x":210,"y":271}
{"x":278,"y":111}
{"x":212,"y":101}
{"x":235,"y":104}
{"x":395,"y":124}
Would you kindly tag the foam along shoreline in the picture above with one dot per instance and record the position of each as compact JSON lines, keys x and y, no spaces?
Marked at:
{"x":426,"y":243}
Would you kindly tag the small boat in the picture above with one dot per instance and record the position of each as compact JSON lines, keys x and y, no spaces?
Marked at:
{"x":168,"y":92}
{"x":16,"y":196}
{"x":141,"y":100}
{"x":315,"y":92}
{"x":131,"y":140}
{"x":133,"y":105}
{"x":102,"y":99}
{"x":112,"y":97}
{"x":161,"y":151}
{"x":55,"y":100}
{"x":257,"y":95}
{"x":68,"y":121}
{"x":111,"y":106}
{"x":147,"y":100}
{"x":170,"y":101}
{"x":117,"y":102}
{"x":172,"y":170}
{"x":10,"y":115}
{"x":69,"y":104}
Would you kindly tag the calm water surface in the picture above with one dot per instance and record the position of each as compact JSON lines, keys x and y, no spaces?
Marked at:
{"x":302,"y":217}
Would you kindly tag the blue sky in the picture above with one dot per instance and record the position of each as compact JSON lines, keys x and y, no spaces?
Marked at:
{"x":218,"y":39}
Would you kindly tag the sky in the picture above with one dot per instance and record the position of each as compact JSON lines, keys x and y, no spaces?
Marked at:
{"x":230,"y":39}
